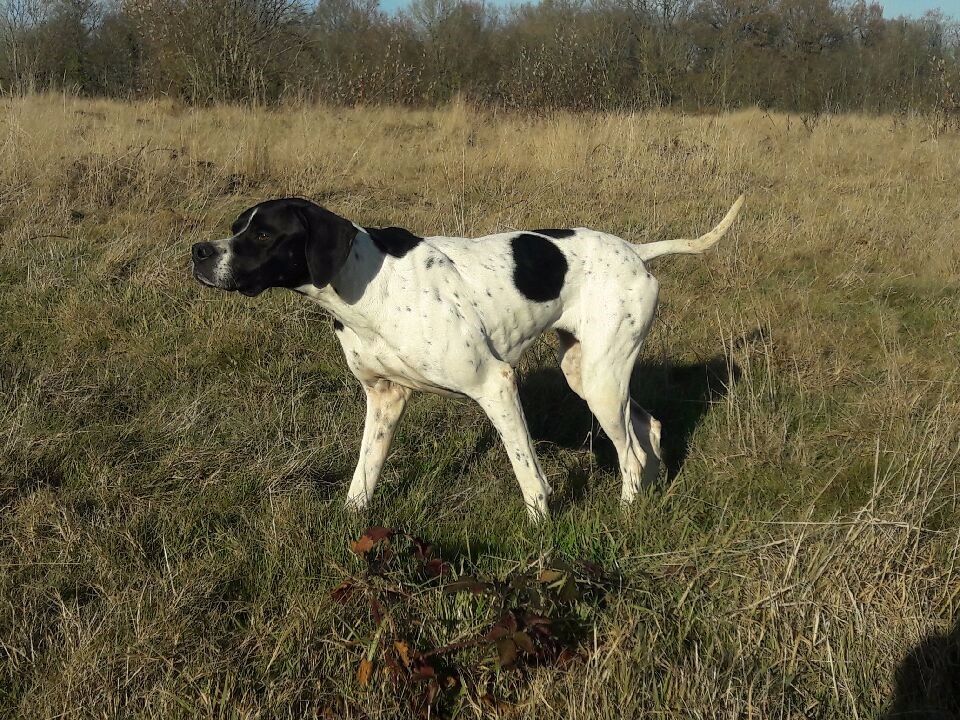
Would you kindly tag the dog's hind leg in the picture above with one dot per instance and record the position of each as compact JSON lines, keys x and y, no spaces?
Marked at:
{"x":605,"y":379}
{"x":598,"y":369}
{"x":568,"y":355}
{"x":386,"y":402}
{"x":646,"y":428}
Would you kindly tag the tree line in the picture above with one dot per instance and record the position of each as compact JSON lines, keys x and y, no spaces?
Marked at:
{"x":797,"y":55}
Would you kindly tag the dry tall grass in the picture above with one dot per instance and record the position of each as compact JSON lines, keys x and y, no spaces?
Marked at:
{"x":173,"y":460}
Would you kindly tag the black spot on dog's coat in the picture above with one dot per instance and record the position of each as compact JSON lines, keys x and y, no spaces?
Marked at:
{"x":337,"y":325}
{"x":393,"y":240}
{"x":538,"y":267}
{"x":556,"y":233}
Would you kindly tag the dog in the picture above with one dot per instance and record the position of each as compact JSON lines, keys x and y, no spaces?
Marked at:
{"x":453,"y":315}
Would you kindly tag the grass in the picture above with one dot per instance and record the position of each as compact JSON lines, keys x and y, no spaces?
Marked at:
{"x":173,"y":461}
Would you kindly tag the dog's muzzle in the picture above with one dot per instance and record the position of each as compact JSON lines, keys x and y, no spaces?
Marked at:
{"x":203,"y":251}
{"x":212,"y":268}
{"x":204,"y":257}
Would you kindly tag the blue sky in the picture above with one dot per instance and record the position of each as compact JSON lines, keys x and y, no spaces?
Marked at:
{"x":891,"y":8}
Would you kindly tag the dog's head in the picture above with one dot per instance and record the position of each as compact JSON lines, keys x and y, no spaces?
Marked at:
{"x":277,"y":243}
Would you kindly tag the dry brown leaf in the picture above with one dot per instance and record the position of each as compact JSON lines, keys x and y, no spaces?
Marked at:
{"x":507,"y":651}
{"x":362,"y":545}
{"x":364,"y":672}
{"x":403,"y":650}
{"x":523,"y":642}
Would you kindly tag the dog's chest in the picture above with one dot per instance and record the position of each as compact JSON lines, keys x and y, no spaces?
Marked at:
{"x":420,"y":362}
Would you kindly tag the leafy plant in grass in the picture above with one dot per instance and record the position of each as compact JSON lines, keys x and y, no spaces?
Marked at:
{"x":434,"y":633}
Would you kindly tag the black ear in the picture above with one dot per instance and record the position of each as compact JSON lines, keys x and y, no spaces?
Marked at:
{"x":329,"y":239}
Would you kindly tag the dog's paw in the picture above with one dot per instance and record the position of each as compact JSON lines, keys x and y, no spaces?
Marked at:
{"x":356,"y":503}
{"x":537,"y":509}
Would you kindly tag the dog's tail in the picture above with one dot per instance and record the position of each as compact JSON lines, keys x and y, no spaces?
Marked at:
{"x":691,"y":247}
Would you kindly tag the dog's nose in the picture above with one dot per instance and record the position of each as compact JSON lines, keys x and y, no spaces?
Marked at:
{"x":201,"y":251}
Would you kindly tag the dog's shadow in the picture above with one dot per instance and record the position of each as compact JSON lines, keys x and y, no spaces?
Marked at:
{"x":678,"y":395}
{"x":926,"y":683}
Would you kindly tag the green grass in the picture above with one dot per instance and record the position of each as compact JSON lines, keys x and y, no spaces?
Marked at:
{"x":173,"y":461}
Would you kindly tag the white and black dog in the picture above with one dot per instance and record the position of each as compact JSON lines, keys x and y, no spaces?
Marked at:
{"x":453,"y":315}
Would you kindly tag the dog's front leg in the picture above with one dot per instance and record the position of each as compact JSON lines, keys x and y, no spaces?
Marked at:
{"x":386,"y":402}
{"x":501,"y":402}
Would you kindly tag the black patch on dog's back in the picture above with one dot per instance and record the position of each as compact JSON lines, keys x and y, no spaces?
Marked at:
{"x":337,"y":325}
{"x":557,"y":233}
{"x":393,"y":240}
{"x":538,"y":267}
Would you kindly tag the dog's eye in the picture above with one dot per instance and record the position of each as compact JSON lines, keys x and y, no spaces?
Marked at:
{"x":263,"y":237}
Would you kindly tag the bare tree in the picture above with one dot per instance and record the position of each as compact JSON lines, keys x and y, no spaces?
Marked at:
{"x":212,"y":50}
{"x":19,"y":20}
{"x":806,"y":55}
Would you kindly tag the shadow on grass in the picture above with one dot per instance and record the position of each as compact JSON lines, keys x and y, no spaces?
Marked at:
{"x":927,"y":681}
{"x":678,"y":395}
{"x":327,"y":483}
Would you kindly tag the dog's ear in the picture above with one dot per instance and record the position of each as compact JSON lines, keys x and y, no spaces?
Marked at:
{"x":328,"y":243}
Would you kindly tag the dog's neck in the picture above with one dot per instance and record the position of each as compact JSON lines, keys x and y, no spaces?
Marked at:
{"x":348,"y":296}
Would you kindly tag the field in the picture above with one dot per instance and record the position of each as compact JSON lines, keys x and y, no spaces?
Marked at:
{"x":173,"y":460}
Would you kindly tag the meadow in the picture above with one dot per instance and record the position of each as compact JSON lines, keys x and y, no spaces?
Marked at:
{"x":174,"y":460}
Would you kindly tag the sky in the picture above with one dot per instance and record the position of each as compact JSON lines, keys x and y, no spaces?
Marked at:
{"x":891,"y":8}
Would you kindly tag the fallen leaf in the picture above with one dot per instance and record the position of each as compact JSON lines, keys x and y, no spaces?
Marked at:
{"x":370,"y":538}
{"x":364,"y":671}
{"x":593,"y":570}
{"x":362,"y":545}
{"x":434,"y":567}
{"x":433,"y":689}
{"x":467,"y":584}
{"x":523,"y":642}
{"x":394,"y":670}
{"x":376,"y":610}
{"x":403,"y":650}
{"x":378,"y":533}
{"x":551,"y":576}
{"x":534,"y":620}
{"x":342,"y":591}
{"x":422,"y":670}
{"x":569,"y":592}
{"x":497,"y":706}
{"x":507,"y":652}
{"x":566,"y":658}
{"x":422,"y":549}
{"x":505,"y":627}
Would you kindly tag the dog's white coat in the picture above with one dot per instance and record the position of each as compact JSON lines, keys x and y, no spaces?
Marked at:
{"x":446,"y":317}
